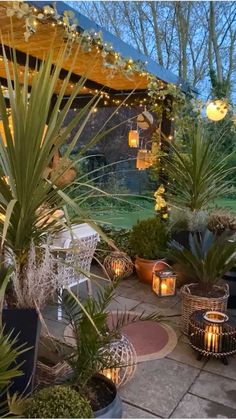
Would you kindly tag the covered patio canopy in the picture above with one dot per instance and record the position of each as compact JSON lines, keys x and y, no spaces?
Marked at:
{"x":115,"y":83}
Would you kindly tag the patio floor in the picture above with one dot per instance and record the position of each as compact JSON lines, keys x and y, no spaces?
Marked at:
{"x":178,"y":385}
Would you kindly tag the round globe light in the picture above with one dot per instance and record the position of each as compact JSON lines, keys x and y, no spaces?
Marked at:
{"x":216,"y":110}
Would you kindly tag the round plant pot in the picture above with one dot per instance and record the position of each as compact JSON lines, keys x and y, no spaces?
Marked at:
{"x":192,"y":302}
{"x":145,"y":267}
{"x":113,"y":409}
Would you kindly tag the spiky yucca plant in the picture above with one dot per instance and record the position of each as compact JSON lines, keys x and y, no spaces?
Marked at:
{"x":28,"y":199}
{"x":201,"y":174}
{"x":207,"y":260}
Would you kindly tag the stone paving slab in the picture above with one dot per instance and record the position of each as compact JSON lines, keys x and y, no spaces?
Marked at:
{"x":159,"y":385}
{"x":196,"y":407}
{"x":122,"y":303}
{"x":164,"y":311}
{"x":144,"y":294}
{"x":130,"y":411}
{"x":185,"y":354}
{"x":217,"y":367}
{"x":217,"y":389}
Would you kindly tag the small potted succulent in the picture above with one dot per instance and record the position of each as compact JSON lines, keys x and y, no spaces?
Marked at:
{"x":148,"y":241}
{"x":206,"y":261}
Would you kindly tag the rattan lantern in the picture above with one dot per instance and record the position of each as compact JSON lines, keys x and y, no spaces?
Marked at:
{"x":212,"y":334}
{"x":133,"y":138}
{"x":118,"y":265}
{"x":144,"y":159}
{"x":164,"y":283}
{"x":145,"y":120}
{"x":125,"y":361}
{"x":216,"y":109}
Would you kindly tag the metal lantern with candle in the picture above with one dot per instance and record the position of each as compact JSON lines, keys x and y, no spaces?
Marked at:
{"x":133,"y":138}
{"x":118,"y":265}
{"x":164,"y":282}
{"x":125,"y":361}
{"x":144,"y":159}
{"x":212,"y":334}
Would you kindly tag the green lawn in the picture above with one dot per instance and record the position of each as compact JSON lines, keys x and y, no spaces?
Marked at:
{"x":126,"y":219}
{"x":228,"y":203}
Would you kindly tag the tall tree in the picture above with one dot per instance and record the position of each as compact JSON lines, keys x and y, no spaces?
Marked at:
{"x":194,"y":39}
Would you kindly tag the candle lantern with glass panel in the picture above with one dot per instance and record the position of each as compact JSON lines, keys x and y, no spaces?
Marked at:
{"x":213,"y":334}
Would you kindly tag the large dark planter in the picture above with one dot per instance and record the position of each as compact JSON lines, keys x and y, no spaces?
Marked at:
{"x":182,"y":237}
{"x":114,"y":409}
{"x":24,"y":324}
{"x":230,"y":278}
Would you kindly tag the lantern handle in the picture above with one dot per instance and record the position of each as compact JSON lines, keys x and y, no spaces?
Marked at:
{"x":162,"y":261}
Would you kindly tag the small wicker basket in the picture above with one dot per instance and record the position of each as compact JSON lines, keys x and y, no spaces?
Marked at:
{"x":48,"y":375}
{"x":50,"y":367}
{"x":191,"y":303}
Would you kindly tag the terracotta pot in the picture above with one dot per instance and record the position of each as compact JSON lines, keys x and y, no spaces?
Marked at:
{"x":144,"y":268}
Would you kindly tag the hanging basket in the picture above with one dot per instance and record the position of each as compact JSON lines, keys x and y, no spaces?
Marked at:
{"x":191,"y":302}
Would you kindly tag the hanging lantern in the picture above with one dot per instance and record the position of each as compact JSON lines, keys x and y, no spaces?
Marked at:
{"x":217,"y":109}
{"x":118,"y":265}
{"x":144,"y":159}
{"x":125,"y":361}
{"x":164,"y":283}
{"x":144,"y":120}
{"x":133,"y":138}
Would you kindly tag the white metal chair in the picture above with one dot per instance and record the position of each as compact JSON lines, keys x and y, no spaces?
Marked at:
{"x":73,"y":253}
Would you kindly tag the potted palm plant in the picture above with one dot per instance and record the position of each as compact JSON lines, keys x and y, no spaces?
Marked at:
{"x":198,"y":174}
{"x":148,"y":241}
{"x":206,"y":261}
{"x":89,"y":351}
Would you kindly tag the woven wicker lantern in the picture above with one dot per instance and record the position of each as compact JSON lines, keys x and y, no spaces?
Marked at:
{"x":125,"y":357}
{"x":133,"y":138}
{"x":118,"y":265}
{"x":164,"y":283}
{"x":216,"y":110}
{"x":212,"y":334}
{"x":145,"y":120}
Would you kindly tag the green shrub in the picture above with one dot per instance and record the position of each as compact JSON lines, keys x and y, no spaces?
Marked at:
{"x":120,"y":236}
{"x":149,"y":238}
{"x":58,"y":402}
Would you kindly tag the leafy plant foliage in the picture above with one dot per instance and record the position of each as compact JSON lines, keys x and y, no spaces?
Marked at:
{"x":208,"y":259}
{"x":148,"y":238}
{"x":58,"y":402}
